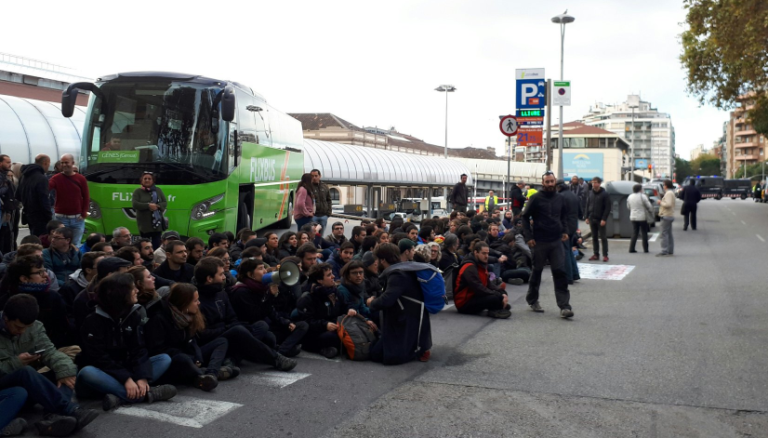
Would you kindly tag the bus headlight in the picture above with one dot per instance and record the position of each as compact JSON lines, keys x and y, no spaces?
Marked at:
{"x":94,"y":211}
{"x":205,"y":209}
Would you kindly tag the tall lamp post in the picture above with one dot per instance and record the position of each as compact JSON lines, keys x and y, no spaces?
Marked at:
{"x":562,"y":20}
{"x":446,"y":89}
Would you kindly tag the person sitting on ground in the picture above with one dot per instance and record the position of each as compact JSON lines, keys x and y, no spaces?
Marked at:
{"x":222,"y":254}
{"x":29,"y":249}
{"x":352,"y":294}
{"x":406,"y":331}
{"x":79,"y":279}
{"x":218,"y":240}
{"x":149,"y":298}
{"x":165,"y":238}
{"x":50,"y":227}
{"x":369,"y":242}
{"x":26,"y":275}
{"x":407,"y":248}
{"x":337,"y":236}
{"x":273,"y":243}
{"x":341,"y":258}
{"x":146,"y":252}
{"x":430,"y":252}
{"x":358,"y":234}
{"x":114,"y":363}
{"x":62,"y":257}
{"x":20,"y":331}
{"x":175,"y":267}
{"x":412,"y":231}
{"x":449,"y":258}
{"x":381,"y":237}
{"x":303,"y":237}
{"x":195,"y":250}
{"x":104,"y":247}
{"x":426,"y":235}
{"x":221,"y":319}
{"x":287,"y":245}
{"x":253,"y":302}
{"x":85,"y":302}
{"x":121,"y":237}
{"x":371,"y":265}
{"x":91,"y":240}
{"x":173,"y":331}
{"x":131,"y":255}
{"x":319,"y":308}
{"x":474,"y":292}
{"x":236,"y":250}
{"x":517,"y":268}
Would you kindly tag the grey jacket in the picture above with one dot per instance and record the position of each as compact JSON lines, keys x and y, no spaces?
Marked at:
{"x":323,"y":204}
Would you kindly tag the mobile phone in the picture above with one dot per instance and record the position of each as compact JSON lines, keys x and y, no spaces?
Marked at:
{"x":35,"y":352}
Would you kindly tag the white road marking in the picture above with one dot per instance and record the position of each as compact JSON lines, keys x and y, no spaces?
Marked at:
{"x":594,"y":271}
{"x":275,"y":379}
{"x":182,"y":411}
{"x":653,"y":236}
{"x":448,"y":306}
{"x":315,"y":356}
{"x":760,"y":237}
{"x":743,"y":222}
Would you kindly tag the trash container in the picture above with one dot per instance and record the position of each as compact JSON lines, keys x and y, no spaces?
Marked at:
{"x":618,"y":224}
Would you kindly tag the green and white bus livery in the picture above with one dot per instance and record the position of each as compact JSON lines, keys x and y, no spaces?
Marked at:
{"x":223,"y":156}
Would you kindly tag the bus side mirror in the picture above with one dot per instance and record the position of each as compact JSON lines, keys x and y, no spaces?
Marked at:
{"x":228,"y":105}
{"x":68,"y":100}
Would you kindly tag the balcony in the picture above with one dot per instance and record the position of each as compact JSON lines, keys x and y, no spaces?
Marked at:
{"x":746,"y":157}
{"x":749,"y":144}
{"x":750,"y":131}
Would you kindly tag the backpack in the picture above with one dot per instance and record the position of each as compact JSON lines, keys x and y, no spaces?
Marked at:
{"x":356,"y":336}
{"x":431,"y":281}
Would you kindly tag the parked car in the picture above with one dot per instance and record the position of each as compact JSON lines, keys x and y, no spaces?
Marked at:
{"x":651,"y":190}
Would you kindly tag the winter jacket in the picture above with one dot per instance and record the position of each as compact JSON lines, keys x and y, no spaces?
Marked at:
{"x":53,"y":315}
{"x":691,"y":195}
{"x":217,"y":310}
{"x":550,"y":217}
{"x":34,"y":338}
{"x":322,"y":244}
{"x":33,"y":192}
{"x":471,"y":281}
{"x":354,"y":297}
{"x":598,"y":205}
{"x":141,"y":200}
{"x":323,"y":203}
{"x":399,"y":325}
{"x":164,"y":336}
{"x":74,"y":285}
{"x":84,"y":304}
{"x":372,"y":284}
{"x":253,"y":302}
{"x":667,"y":208}
{"x":305,"y":205}
{"x":639,"y":206}
{"x":458,"y":196}
{"x":115,"y":346}
{"x":318,"y":306}
{"x":335,"y":241}
{"x":518,"y":200}
{"x":183,"y":275}
{"x":448,"y":259}
{"x":336,"y":264}
{"x":236,"y":251}
{"x":572,"y":202}
{"x":62,"y":264}
{"x":286,"y":251}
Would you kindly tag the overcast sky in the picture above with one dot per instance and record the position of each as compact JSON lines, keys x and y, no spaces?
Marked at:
{"x":377,"y":63}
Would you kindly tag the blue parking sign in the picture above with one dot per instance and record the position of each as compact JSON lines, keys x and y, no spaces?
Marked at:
{"x":531,"y":93}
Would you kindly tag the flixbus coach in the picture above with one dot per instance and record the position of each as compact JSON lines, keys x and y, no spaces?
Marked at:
{"x":224,"y":158}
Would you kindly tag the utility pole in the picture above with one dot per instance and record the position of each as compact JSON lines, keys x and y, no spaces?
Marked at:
{"x":549,"y":126}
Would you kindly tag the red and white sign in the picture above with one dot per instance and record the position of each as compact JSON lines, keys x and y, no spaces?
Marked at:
{"x":508,"y":125}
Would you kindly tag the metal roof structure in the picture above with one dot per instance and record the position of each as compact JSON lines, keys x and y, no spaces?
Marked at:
{"x":29,"y":127}
{"x":358,"y":165}
{"x":496,"y":170}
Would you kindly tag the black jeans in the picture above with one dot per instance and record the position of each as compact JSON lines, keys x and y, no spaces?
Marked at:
{"x":37,"y":224}
{"x":243,"y":345}
{"x":690,"y":216}
{"x":289,"y":339}
{"x":639,"y":226}
{"x":599,"y":234}
{"x":183,"y":368}
{"x":554,"y":252}
{"x":40,"y":390}
{"x":522,"y":273}
{"x":477,"y":304}
{"x":314,"y":341}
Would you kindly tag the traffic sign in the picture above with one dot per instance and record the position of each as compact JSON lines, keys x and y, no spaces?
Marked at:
{"x":508,"y":125}
{"x":529,"y":73}
{"x":531,"y":93}
{"x":561,"y":93}
{"x":530,"y":137}
{"x":530,"y":113}
{"x":530,"y":122}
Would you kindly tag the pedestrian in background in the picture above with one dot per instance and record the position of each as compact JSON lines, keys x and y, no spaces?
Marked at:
{"x":322,"y":196}
{"x":304,"y":210}
{"x":598,"y":209}
{"x":517,"y":198}
{"x":72,"y":197}
{"x":33,"y":195}
{"x":150,"y":204}
{"x":572,"y":202}
{"x":640,"y":210}
{"x":691,"y":197}
{"x":667,"y":214}
{"x":458,"y":196}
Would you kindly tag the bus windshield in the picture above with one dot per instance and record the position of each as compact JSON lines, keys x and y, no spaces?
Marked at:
{"x":159,"y":126}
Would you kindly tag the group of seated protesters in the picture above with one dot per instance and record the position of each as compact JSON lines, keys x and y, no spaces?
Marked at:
{"x":118,"y":320}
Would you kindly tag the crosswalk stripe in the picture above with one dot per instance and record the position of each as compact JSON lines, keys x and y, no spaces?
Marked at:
{"x":315,"y":356}
{"x":276,"y":379}
{"x":182,"y":411}
{"x":760,"y":237}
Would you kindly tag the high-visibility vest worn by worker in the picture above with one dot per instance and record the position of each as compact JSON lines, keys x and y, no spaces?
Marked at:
{"x":531,"y":192}
{"x":493,"y":205}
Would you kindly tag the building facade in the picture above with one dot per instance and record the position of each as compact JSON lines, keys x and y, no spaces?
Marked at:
{"x":653,"y":136}
{"x":590,"y":151}
{"x":744,"y":145}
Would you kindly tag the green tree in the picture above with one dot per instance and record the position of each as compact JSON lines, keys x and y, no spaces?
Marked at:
{"x":725,"y":53}
{"x":682,"y":169}
{"x":706,"y":164}
{"x":752,"y":170}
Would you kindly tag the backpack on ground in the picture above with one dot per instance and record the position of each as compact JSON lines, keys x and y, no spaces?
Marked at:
{"x":356,"y":336}
{"x":431,"y":282}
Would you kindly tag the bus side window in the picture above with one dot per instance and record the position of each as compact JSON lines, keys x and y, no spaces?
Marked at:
{"x":231,"y":149}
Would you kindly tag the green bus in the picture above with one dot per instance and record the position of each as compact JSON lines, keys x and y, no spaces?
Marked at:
{"x":222,"y":155}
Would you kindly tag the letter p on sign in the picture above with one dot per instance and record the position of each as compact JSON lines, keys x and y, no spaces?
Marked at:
{"x":527,"y":91}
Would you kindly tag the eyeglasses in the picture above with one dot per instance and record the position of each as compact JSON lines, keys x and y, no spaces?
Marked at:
{"x":58,"y":238}
{"x":42,"y":273}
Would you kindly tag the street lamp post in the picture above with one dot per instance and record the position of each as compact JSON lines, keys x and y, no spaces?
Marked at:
{"x":446,"y":89}
{"x":632,"y":147}
{"x":562,"y":20}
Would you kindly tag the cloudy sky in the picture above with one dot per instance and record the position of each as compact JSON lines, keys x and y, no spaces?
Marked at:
{"x":377,"y":63}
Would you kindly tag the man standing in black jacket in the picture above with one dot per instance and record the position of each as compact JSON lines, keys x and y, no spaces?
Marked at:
{"x":549,"y":213}
{"x":33,"y":194}
{"x":691,"y":197}
{"x":459,"y":195}
{"x":572,"y":202}
{"x":598,"y":209}
{"x":517,"y":197}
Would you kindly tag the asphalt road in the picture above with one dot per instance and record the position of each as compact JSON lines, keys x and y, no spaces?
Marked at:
{"x":677,"y":347}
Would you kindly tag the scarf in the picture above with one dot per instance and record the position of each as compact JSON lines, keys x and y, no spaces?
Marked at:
{"x":32,"y":288}
{"x":157,"y":217}
{"x":181,"y":319}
